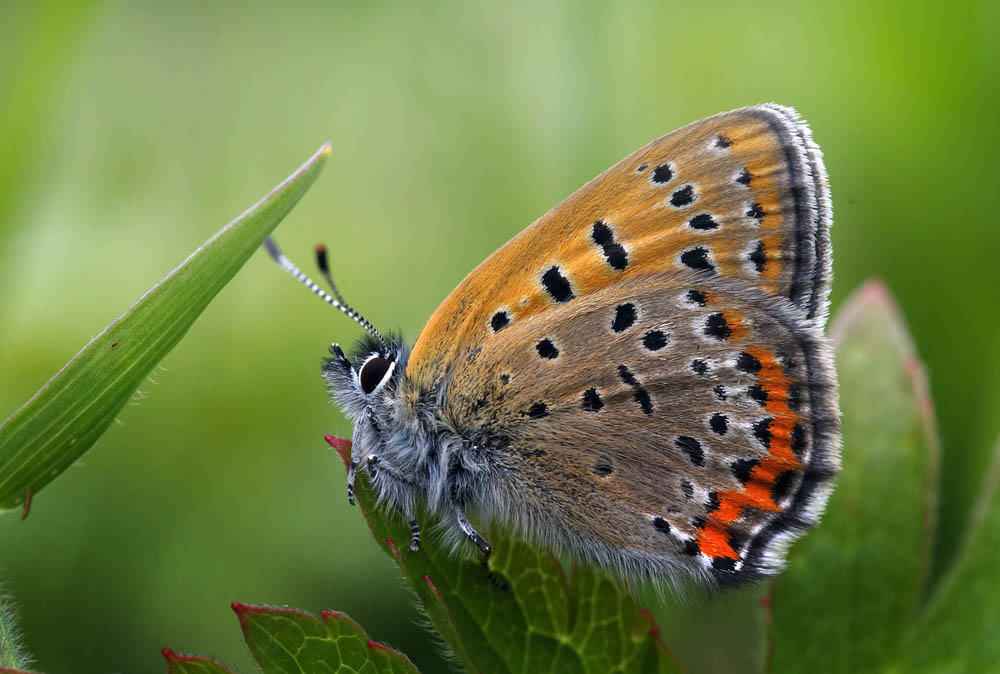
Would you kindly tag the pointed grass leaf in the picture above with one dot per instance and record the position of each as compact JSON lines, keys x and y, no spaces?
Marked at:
{"x":854,"y":584}
{"x":960,"y":631}
{"x":71,"y":411}
{"x":523,"y":613}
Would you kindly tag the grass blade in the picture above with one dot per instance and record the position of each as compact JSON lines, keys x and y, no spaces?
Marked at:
{"x":70,"y":412}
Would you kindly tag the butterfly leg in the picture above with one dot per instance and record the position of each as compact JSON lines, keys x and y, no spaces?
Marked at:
{"x":414,"y":535}
{"x":351,"y":476}
{"x":375,"y":463}
{"x":471,"y":533}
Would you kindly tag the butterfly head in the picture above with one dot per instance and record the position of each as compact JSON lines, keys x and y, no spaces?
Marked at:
{"x":365,"y":383}
{"x":366,"y":379}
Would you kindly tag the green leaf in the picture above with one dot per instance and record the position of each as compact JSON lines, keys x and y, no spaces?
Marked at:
{"x":524,"y":613}
{"x":61,"y":422}
{"x":695,"y":620}
{"x":290,"y":641}
{"x":192,"y":664}
{"x":854,"y":584}
{"x":285,"y":640}
{"x":12,"y":653}
{"x":960,"y":631}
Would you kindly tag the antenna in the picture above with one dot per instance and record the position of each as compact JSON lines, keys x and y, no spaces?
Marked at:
{"x":336,"y":301}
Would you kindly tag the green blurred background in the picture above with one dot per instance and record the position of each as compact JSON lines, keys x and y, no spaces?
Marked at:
{"x":130,"y":132}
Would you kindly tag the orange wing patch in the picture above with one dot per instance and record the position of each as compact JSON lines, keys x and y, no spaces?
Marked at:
{"x":779,"y":431}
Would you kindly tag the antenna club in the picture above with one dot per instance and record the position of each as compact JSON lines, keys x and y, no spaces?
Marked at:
{"x":321,"y":261}
{"x":336,"y":301}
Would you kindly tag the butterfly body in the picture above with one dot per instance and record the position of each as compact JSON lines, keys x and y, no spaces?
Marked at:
{"x":639,"y":378}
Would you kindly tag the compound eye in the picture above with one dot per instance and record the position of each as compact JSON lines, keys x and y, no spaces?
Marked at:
{"x":375,"y":371}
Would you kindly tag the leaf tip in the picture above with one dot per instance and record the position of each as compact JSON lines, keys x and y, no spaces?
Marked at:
{"x":27,"y":506}
{"x":872,"y":296}
{"x":343,"y":447}
{"x":326,"y":150}
{"x":241,"y":611}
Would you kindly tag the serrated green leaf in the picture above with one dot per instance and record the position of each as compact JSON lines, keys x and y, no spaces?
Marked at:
{"x":854,"y":584}
{"x":961,"y":629}
{"x":289,"y":641}
{"x":61,"y":422}
{"x":192,"y":664}
{"x":523,"y":613}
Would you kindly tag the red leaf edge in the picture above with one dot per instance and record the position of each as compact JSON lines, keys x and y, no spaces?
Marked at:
{"x":172,"y":658}
{"x":343,"y":447}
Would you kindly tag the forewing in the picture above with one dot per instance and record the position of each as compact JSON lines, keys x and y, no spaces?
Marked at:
{"x":673,"y":420}
{"x":740,"y":195}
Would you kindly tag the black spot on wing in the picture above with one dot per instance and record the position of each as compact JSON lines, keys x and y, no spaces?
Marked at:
{"x":499,"y":321}
{"x":557,"y":285}
{"x":641,"y":394}
{"x":662,"y":174}
{"x":762,"y":431}
{"x":703,"y":222}
{"x":661,"y":525}
{"x":748,"y":363}
{"x":692,"y":448}
{"x":759,"y":257}
{"x":744,"y":178}
{"x":625,"y":316}
{"x":757,"y":393}
{"x":592,"y":400}
{"x":546,"y":349}
{"x":742,"y":468}
{"x":697,"y":297}
{"x":717,"y":327}
{"x":719,"y":423}
{"x":682,"y":197}
{"x":654,"y":340}
{"x":755,"y":211}
{"x":697,"y":258}
{"x":614,"y":252}
{"x":713,"y":502}
{"x":537,"y":411}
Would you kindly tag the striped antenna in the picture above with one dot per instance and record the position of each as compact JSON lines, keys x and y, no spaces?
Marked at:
{"x":336,"y":301}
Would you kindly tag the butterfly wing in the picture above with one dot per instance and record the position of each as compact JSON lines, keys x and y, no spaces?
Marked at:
{"x":672,"y":420}
{"x":741,"y":194}
{"x":646,"y":361}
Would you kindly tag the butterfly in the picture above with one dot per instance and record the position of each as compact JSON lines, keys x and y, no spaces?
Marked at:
{"x":639,"y":378}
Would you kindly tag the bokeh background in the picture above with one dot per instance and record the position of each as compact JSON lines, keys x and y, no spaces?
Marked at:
{"x":131,"y":131}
